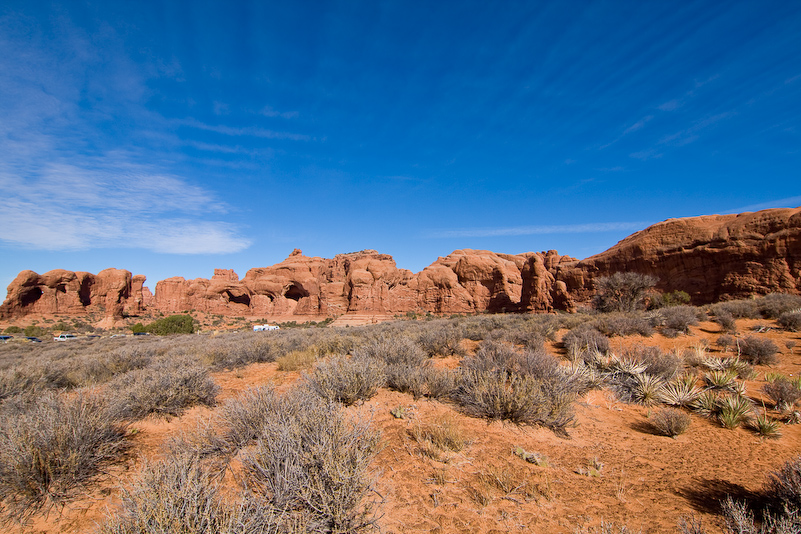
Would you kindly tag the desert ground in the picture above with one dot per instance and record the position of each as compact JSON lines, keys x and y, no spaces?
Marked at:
{"x":609,"y":467}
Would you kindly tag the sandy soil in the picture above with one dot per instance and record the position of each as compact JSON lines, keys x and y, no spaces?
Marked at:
{"x":645,"y":481}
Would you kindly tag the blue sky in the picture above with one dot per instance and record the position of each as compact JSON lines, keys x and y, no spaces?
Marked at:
{"x":170,"y":138}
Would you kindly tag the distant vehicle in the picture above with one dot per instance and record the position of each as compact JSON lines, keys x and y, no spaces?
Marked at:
{"x":118,"y":335}
{"x":141,"y":333}
{"x":265,"y":327}
{"x":5,"y":339}
{"x":92,"y":336}
{"x":65,"y":337}
{"x":33,"y":339}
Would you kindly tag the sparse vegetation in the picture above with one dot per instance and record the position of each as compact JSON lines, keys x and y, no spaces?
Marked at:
{"x":670,"y":422}
{"x":758,"y":351}
{"x":622,"y":292}
{"x":346,"y":380}
{"x":52,"y":446}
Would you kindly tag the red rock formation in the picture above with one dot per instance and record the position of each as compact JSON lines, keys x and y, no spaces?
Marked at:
{"x":111,"y":292}
{"x":714,"y":257}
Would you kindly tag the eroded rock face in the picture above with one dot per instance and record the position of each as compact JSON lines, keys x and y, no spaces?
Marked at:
{"x":711,"y":258}
{"x":112,"y":292}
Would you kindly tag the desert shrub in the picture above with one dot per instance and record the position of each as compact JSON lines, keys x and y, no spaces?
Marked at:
{"x":13,"y":330}
{"x":790,"y":320}
{"x":53,"y":445}
{"x":297,"y":360}
{"x":721,"y":379}
{"x":440,"y":384}
{"x":663,"y":364}
{"x":585,"y":338}
{"x":441,"y":340}
{"x":244,"y":416}
{"x":670,"y":422}
{"x":347,"y":380}
{"x":174,"y":324}
{"x":406,"y":379}
{"x":516,"y":398}
{"x":622,"y":292}
{"x":677,"y":320}
{"x":623,"y":324}
{"x":666,"y":300}
{"x":165,"y":388}
{"x":785,"y":484}
{"x":773,"y":305}
{"x":313,"y":461}
{"x":739,"y":309}
{"x":493,"y":356}
{"x":783,"y":393}
{"x":726,"y":342}
{"x":392,"y":350}
{"x":726,"y":322}
{"x":179,"y":495}
{"x":758,"y":351}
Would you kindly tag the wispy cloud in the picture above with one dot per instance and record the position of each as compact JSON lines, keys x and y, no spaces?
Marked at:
{"x":789,"y":202}
{"x":251,"y":131}
{"x":268,"y":111}
{"x":638,"y":125}
{"x":118,"y":205}
{"x":538,"y":230}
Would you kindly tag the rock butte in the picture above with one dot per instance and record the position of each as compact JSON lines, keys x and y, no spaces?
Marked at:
{"x":712,"y":258}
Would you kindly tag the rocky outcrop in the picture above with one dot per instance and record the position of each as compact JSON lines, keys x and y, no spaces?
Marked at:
{"x":712,"y":258}
{"x":112,"y":292}
{"x":715,"y":257}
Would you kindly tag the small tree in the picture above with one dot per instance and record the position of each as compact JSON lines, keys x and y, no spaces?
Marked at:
{"x":623,"y":292}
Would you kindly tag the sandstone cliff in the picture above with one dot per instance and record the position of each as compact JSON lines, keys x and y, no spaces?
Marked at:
{"x":714,"y":257}
{"x":711,"y":258}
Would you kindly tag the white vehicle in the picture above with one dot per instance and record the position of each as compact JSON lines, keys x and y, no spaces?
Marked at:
{"x":65,"y":337}
{"x":265,"y":327}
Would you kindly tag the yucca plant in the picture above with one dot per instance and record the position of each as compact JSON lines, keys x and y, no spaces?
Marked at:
{"x":734,"y":410}
{"x":766,"y":426}
{"x":706,"y":403}
{"x":647,"y":389}
{"x":773,"y":376}
{"x":627,"y":365}
{"x":723,"y":379}
{"x":681,"y":391}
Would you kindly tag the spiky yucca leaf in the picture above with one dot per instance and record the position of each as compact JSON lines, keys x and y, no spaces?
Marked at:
{"x":680,"y":392}
{"x":734,"y":410}
{"x":766,"y":426}
{"x":647,"y":389}
{"x":706,"y":404}
{"x":721,"y":379}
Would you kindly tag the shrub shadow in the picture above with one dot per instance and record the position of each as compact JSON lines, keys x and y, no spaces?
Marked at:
{"x":706,"y":494}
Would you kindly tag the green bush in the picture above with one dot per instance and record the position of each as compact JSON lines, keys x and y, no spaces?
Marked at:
{"x":13,"y":330}
{"x":36,"y":331}
{"x":174,"y":324}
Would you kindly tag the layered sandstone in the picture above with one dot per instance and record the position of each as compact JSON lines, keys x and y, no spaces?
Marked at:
{"x":712,"y":258}
{"x":112,"y":292}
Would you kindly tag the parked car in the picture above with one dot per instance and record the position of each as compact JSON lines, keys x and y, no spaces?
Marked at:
{"x":33,"y":339}
{"x":5,"y":338}
{"x":65,"y":337}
